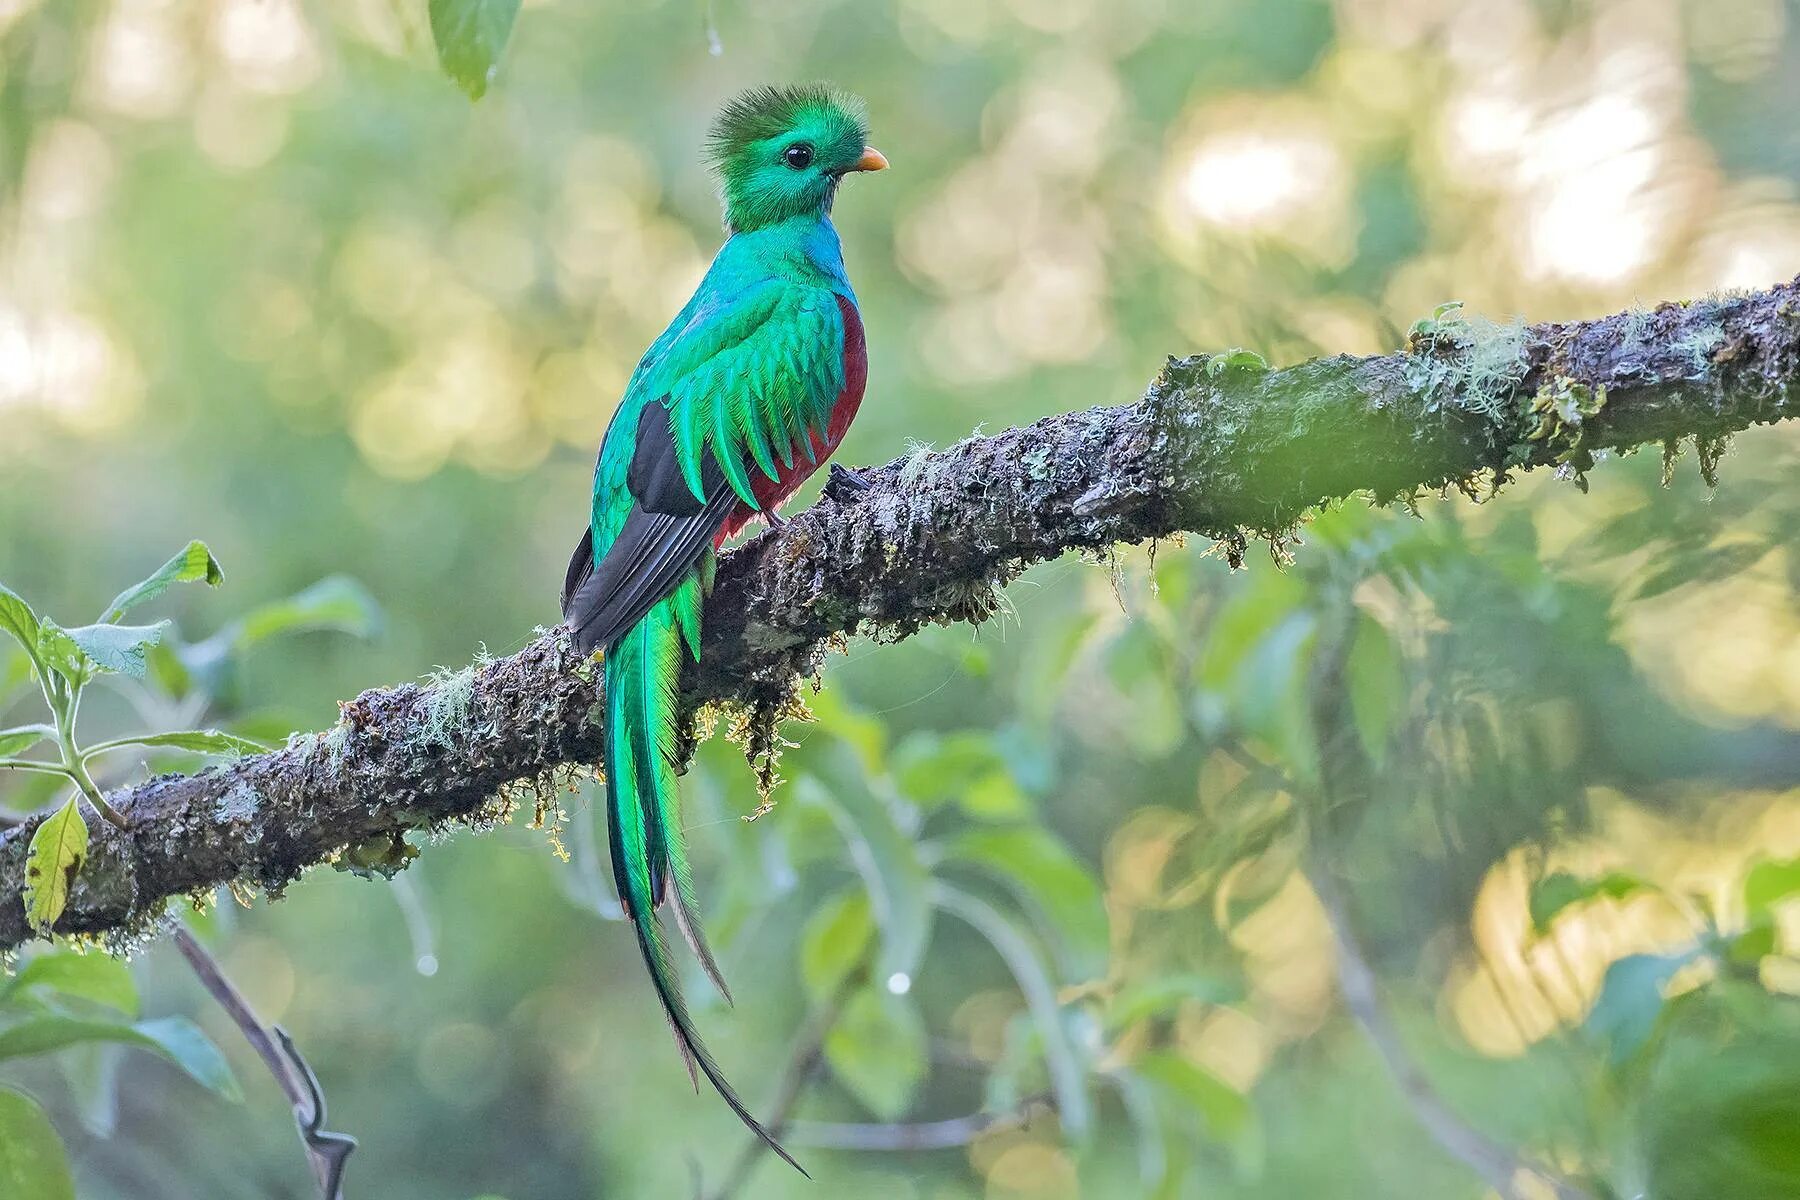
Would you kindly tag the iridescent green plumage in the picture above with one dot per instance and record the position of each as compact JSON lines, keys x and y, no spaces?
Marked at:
{"x":741,"y":397}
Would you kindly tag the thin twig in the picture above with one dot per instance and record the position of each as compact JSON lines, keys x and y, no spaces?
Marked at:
{"x":1499,"y":1167}
{"x":326,"y":1152}
{"x":1340,"y":767}
{"x":919,"y":1135}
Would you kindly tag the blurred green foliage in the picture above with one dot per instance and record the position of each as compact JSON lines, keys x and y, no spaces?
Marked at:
{"x":1038,"y":892}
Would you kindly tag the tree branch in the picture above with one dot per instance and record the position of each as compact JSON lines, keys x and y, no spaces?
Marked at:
{"x":1501,"y":1168}
{"x":1216,"y":447}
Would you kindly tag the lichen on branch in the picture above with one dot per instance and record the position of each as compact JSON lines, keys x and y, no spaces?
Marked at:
{"x":1219,"y":445}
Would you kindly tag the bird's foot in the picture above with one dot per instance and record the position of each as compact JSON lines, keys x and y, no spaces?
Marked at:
{"x":775,"y":519}
{"x":846,"y":483}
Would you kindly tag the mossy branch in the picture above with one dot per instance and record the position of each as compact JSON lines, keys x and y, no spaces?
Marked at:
{"x":1219,"y":445}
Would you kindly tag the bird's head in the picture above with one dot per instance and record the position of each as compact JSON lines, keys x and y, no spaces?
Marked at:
{"x":781,"y":152}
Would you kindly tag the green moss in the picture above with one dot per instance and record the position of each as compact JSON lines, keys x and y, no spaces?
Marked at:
{"x":1633,"y":329}
{"x":1235,"y":359}
{"x":1470,"y":360}
{"x":335,"y":742}
{"x":1557,"y":417}
{"x":448,"y":697}
{"x":916,"y":467}
{"x":385,"y":855}
{"x":1697,"y":345}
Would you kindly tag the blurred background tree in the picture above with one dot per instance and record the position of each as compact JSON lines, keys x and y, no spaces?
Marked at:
{"x":1058,"y":906}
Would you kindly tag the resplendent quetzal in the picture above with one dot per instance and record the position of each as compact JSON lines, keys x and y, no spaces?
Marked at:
{"x":743,"y":396}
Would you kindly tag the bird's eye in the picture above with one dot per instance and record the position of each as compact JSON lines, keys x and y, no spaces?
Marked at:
{"x":798,"y":157}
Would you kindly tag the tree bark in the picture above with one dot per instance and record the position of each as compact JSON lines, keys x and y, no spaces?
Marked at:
{"x":1218,"y":446}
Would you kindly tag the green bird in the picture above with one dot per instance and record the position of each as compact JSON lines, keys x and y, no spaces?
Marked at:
{"x":745,"y":394}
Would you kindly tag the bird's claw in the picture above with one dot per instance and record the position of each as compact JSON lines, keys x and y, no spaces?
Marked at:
{"x":846,"y":483}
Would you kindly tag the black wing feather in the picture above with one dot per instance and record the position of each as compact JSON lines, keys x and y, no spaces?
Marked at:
{"x":666,"y":533}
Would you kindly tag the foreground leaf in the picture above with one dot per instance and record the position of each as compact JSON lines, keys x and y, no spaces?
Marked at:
{"x":470,"y":36}
{"x":1631,"y":1001}
{"x":100,"y":978}
{"x":1559,"y":890}
{"x":17,"y":619}
{"x":14,"y":740}
{"x":58,"y":848}
{"x":1162,"y":996}
{"x":33,"y":1163}
{"x":1224,"y":1111}
{"x":1770,"y":883}
{"x":200,"y":741}
{"x":181,"y":1042}
{"x":193,"y":565}
{"x":175,"y":1038}
{"x":120,"y":649}
{"x":58,"y":652}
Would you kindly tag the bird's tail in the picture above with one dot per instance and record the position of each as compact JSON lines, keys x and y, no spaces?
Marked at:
{"x":649,"y":857}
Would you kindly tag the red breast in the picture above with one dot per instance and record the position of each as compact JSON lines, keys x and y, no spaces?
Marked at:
{"x":771,"y":492}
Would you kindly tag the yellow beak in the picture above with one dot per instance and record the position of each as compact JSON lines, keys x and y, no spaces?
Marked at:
{"x":871,"y":160}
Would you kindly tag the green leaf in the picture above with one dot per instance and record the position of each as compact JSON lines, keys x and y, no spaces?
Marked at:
{"x":193,"y":565}
{"x":876,"y":1048}
{"x":1558,"y":890}
{"x":181,"y":1042}
{"x":1145,"y":712}
{"x":33,"y":1163}
{"x":1053,"y":885}
{"x":1224,"y":1111}
{"x":14,"y":740}
{"x":1631,"y":1001}
{"x":1706,"y":564}
{"x":17,"y":619}
{"x":175,"y":1038}
{"x":1273,"y":693}
{"x":470,"y":35}
{"x":92,"y":1073}
{"x":335,"y":604}
{"x":1770,"y":883}
{"x":58,"y":848}
{"x":934,"y":770}
{"x":1160,"y":996}
{"x":1448,"y":311}
{"x":1753,"y":945}
{"x":1225,"y":1114}
{"x":1235,"y":359}
{"x":1376,"y":681}
{"x":834,"y":941}
{"x":201,"y":741}
{"x":1067,"y":1072}
{"x":120,"y":649}
{"x":886,"y":858}
{"x":60,"y":653}
{"x":98,"y":977}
